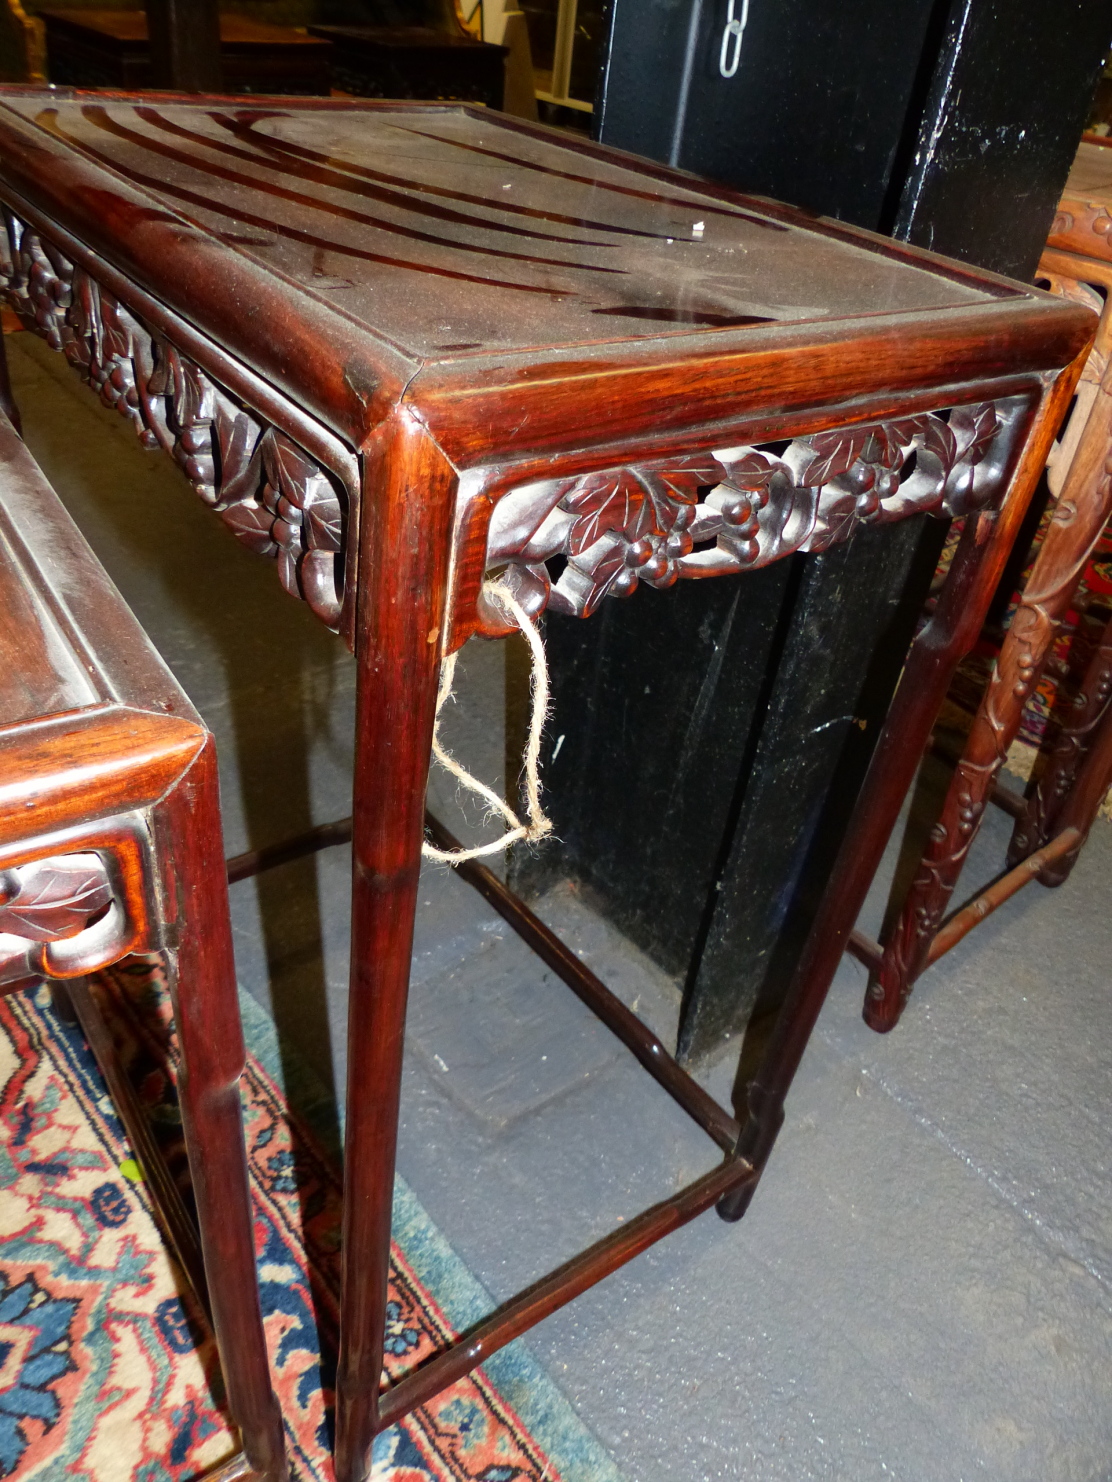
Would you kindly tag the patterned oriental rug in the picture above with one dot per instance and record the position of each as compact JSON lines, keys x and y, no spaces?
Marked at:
{"x":107,"y":1367}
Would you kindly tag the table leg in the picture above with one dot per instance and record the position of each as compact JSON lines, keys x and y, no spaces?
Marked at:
{"x":957,"y":619}
{"x":1083,"y":801}
{"x":206,"y":1012}
{"x":1081,"y":731}
{"x":61,"y":1003}
{"x":1079,"y":518}
{"x":399,"y":629}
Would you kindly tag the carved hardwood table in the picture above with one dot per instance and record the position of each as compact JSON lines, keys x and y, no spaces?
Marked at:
{"x":110,"y":844}
{"x":1053,"y":823}
{"x":397,"y":348}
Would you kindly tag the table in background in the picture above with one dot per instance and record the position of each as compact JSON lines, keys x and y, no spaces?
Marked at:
{"x":110,"y":49}
{"x":414,"y":62}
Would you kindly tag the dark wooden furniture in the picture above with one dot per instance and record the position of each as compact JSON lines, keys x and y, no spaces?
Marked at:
{"x":111,"y":49}
{"x":185,"y":48}
{"x":110,"y":844}
{"x":22,"y":45}
{"x":714,"y":864}
{"x":399,"y":348}
{"x":1053,"y":823}
{"x":414,"y":62}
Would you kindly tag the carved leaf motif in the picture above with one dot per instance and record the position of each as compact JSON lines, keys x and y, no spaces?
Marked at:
{"x":762,"y":505}
{"x":836,"y":521}
{"x":116,"y":331}
{"x":55,"y":899}
{"x":324,"y":517}
{"x":834,"y":453}
{"x":174,"y":404}
{"x":584,"y":583}
{"x":978,"y":426}
{"x":892,"y":439}
{"x":252,"y":523}
{"x":287,"y":571}
{"x":682,"y":480}
{"x":240,"y":460}
{"x":613,"y":501}
{"x":753,"y":471}
{"x":287,"y":468}
{"x":941,"y":441}
{"x":193,"y":395}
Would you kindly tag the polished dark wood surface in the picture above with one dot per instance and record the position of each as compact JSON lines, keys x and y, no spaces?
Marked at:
{"x":110,"y":843}
{"x":400,"y":348}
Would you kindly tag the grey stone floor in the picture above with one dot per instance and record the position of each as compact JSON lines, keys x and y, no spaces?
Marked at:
{"x":921,"y":1289}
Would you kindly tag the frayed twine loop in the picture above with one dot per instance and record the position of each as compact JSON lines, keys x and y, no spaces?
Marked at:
{"x":538,"y":825}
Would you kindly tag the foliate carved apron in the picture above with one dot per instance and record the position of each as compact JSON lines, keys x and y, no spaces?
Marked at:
{"x":735,"y":509}
{"x":274,"y":497}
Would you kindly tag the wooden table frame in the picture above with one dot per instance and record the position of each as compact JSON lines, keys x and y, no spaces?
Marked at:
{"x":392,"y":489}
{"x":1053,"y":823}
{"x":111,"y":844}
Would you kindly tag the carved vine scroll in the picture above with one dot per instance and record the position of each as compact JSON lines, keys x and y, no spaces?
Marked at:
{"x":275,"y":498}
{"x":57,"y":916}
{"x":733,"y":510}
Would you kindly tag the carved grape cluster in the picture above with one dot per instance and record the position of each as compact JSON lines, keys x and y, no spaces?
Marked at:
{"x":275,"y":498}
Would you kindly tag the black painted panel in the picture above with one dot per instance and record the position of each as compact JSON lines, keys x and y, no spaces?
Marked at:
{"x":813,"y":115}
{"x":653,"y":702}
{"x":1006,"y":107}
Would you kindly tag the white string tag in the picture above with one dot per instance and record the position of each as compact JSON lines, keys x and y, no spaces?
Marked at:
{"x":537,"y":825}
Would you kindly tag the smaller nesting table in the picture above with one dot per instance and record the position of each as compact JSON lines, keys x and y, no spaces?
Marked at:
{"x":1053,"y":823}
{"x":110,"y":844}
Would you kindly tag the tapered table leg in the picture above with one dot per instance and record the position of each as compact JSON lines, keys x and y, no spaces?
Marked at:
{"x":1081,"y":732}
{"x":956,"y":621}
{"x":1079,"y":518}
{"x":400,"y":622}
{"x":212,"y":1059}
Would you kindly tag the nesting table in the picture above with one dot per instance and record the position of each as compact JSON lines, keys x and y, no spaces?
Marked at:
{"x":1053,"y":823}
{"x":111,"y":845}
{"x":401,"y":348}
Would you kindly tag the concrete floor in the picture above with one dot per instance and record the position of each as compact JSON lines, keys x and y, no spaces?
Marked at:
{"x":921,"y":1289}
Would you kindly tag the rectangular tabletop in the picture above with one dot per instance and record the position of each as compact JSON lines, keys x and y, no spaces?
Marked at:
{"x":359,"y":254}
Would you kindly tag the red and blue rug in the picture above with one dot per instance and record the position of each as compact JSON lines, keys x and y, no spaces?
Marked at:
{"x":107,"y":1369}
